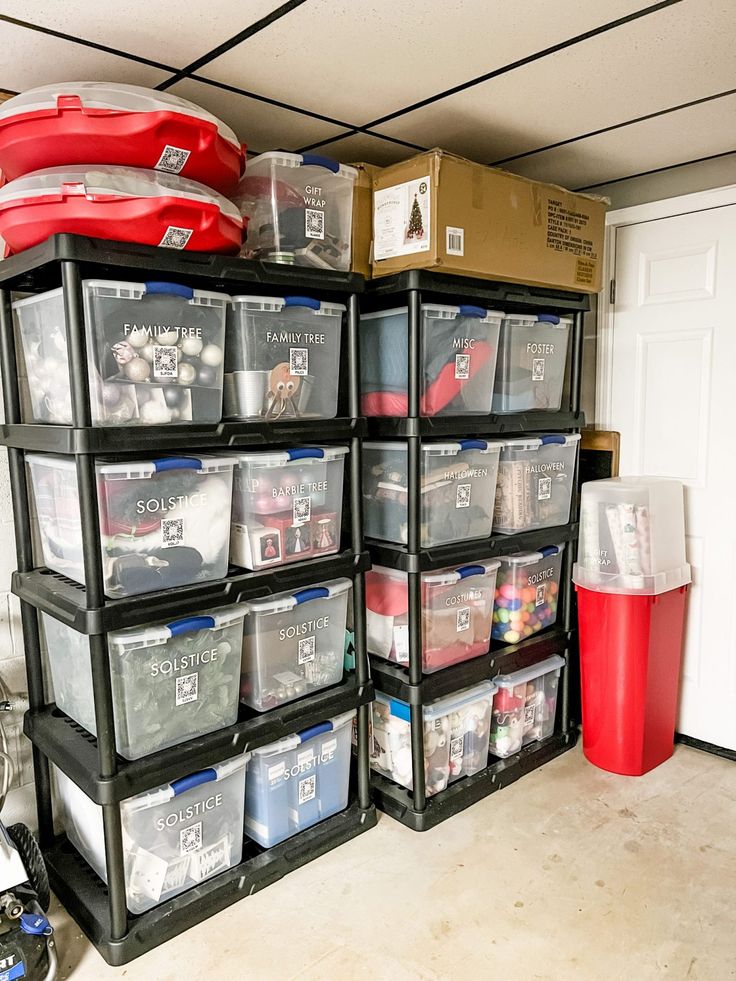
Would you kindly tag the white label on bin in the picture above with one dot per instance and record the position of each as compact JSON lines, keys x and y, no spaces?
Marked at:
{"x":172,"y":159}
{"x":211,"y":860}
{"x":454,"y":240}
{"x":305,"y":759}
{"x":328,"y":748}
{"x":537,"y":369}
{"x":456,"y":747}
{"x":541,"y":594}
{"x":401,"y":219}
{"x":187,"y":688}
{"x":529,"y":713}
{"x":308,"y":789}
{"x":307,"y":649}
{"x":301,"y":510}
{"x":462,"y":498}
{"x":165,"y":361}
{"x":462,"y":366}
{"x":190,"y":839}
{"x":463,"y":619}
{"x":175,"y":238}
{"x":276,"y":772}
{"x":544,"y":489}
{"x":314,"y":223}
{"x":401,"y":643}
{"x":298,"y":361}
{"x":172,"y":532}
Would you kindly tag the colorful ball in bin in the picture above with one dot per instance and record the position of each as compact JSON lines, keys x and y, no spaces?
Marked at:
{"x":518,"y":611}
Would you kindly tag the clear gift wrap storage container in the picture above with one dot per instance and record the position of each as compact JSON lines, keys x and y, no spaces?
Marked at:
{"x":457,"y":608}
{"x":170,"y":682}
{"x":154,"y":352}
{"x":174,"y":837}
{"x":287,"y":505}
{"x":282,"y":358}
{"x":294,"y":644}
{"x":456,"y":731}
{"x":458,"y":482}
{"x":527,"y":592}
{"x":524,"y":706}
{"x":458,"y":360}
{"x":163,"y":522}
{"x":298,"y":781}
{"x":536,"y":476}
{"x":300,"y":207}
{"x":532,"y":356}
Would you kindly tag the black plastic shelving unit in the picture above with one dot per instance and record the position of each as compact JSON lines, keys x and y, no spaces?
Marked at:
{"x":92,"y":763}
{"x":408,"y":682}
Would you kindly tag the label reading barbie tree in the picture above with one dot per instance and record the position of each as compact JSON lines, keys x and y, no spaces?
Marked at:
{"x":401,"y":219}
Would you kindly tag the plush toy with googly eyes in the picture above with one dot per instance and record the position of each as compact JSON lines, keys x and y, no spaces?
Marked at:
{"x":282,"y":389}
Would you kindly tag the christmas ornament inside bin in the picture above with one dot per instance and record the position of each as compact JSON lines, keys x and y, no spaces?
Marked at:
{"x":154,"y":351}
{"x":287,"y":505}
{"x":170,"y":682}
{"x":524,"y":706}
{"x":163,"y":522}
{"x":458,"y":360}
{"x":527,"y":593}
{"x":457,"y":609}
{"x":300,"y":207}
{"x":458,"y":481}
{"x":282,"y":358}
{"x":535,"y":482}
{"x":174,"y":837}
{"x":456,"y":730}
{"x":294,"y":644}
{"x":532,"y":355}
{"x":147,"y":207}
{"x":298,"y":781}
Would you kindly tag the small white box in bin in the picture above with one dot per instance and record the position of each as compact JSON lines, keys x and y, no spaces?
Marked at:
{"x":170,"y":682}
{"x":298,"y":781}
{"x":282,"y":358}
{"x":300,"y":207}
{"x":287,"y":505}
{"x":174,"y":837}
{"x":524,"y":706}
{"x":527,"y":593}
{"x":458,"y":482}
{"x":163,"y":522}
{"x":536,"y":477}
{"x":532,"y":355}
{"x":294,"y":644}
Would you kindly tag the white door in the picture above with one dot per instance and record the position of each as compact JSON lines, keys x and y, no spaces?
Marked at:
{"x":674,"y":403}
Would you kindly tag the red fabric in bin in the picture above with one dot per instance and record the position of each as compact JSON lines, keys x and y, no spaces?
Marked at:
{"x":386,"y":596}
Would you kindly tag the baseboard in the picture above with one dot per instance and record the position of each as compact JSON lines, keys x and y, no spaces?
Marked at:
{"x":727,"y":754}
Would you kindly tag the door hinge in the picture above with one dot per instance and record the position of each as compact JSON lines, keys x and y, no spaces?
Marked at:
{"x":612,"y":292}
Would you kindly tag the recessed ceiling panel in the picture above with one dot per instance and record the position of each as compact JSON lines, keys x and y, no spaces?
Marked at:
{"x":364,"y":148}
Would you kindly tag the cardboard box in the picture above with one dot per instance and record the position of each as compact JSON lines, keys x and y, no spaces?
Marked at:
{"x":362,"y":235}
{"x":442,"y":212}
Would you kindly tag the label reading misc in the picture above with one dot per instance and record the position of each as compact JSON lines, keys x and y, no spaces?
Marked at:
{"x":463,"y":619}
{"x":544,"y":489}
{"x":172,"y":159}
{"x":401,"y":643}
{"x":538,"y":369}
{"x":401,"y":219}
{"x":462,"y":497}
{"x":462,"y":366}
{"x":454,"y":240}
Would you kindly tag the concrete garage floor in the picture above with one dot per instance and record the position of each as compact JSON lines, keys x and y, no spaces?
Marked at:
{"x":571,"y":873}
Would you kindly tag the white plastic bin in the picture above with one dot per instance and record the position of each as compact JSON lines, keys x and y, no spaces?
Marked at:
{"x":282,"y":357}
{"x":458,"y":483}
{"x":163,"y":522}
{"x":457,"y":607}
{"x":287,"y":505}
{"x":300,"y":207}
{"x":458,"y":360}
{"x":527,"y":592}
{"x":155,"y":353}
{"x":294,"y":644}
{"x":536,"y":476}
{"x":524,"y":706}
{"x":456,"y":730}
{"x":532,"y":355}
{"x":170,"y":682}
{"x":298,"y":781}
{"x":174,"y":837}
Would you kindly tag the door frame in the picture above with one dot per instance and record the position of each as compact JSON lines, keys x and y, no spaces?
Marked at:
{"x":718,"y":197}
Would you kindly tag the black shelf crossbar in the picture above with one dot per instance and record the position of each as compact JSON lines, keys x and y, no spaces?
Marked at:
{"x":451,"y":426}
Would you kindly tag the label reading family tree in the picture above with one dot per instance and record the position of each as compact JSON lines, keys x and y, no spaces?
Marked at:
{"x":401,"y":219}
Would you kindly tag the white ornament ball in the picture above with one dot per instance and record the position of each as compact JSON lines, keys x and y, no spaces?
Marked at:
{"x":147,"y":352}
{"x":137,"y":338}
{"x":154,"y":413}
{"x":191,"y":346}
{"x":168,"y":337}
{"x":187,"y":374}
{"x":137,"y":370}
{"x":211,"y":355}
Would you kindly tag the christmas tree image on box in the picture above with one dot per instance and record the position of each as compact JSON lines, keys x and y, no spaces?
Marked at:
{"x":416,"y":227}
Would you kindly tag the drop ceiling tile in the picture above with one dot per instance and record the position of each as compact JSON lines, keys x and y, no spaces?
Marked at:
{"x":358,"y":61}
{"x":679,"y":54}
{"x":364,"y":148}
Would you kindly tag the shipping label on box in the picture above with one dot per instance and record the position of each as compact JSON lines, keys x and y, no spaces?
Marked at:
{"x":402,"y":219}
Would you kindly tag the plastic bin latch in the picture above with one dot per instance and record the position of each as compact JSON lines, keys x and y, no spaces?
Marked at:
{"x":68,"y":189}
{"x":184,"y":784}
{"x":301,"y":301}
{"x":315,"y":160}
{"x":306,"y":453}
{"x":465,"y":571}
{"x":176,"y":463}
{"x":313,"y":593}
{"x":313,"y":731}
{"x":168,"y":289}
{"x":469,"y":311}
{"x":548,"y":318}
{"x":68,"y":102}
{"x":473,"y":444}
{"x":549,"y":550}
{"x":559,"y":438}
{"x":189,"y":624}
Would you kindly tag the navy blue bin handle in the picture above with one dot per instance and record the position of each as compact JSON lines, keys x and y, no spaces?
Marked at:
{"x":169,"y":289}
{"x":306,"y":453}
{"x":313,"y":593}
{"x":184,"y":784}
{"x":471,"y":570}
{"x":312,"y":731}
{"x":189,"y":625}
{"x":549,"y":550}
{"x":548,"y":318}
{"x":473,"y":444}
{"x":177,"y":463}
{"x":315,"y":160}
{"x":469,"y":311}
{"x":558,"y":438}
{"x":301,"y":301}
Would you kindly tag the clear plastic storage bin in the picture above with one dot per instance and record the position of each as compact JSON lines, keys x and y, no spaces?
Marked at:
{"x":174,"y":837}
{"x":287,"y":505}
{"x":524,"y":706}
{"x":163,"y":522}
{"x":536,"y":476}
{"x":300,"y":207}
{"x":170,"y":682}
{"x":530,"y":371}
{"x":527,"y":592}
{"x":458,"y":360}
{"x":456,"y":731}
{"x":298,"y":781}
{"x":457,"y":609}
{"x":154,"y":350}
{"x":294,"y":644}
{"x":458,"y":482}
{"x":282,"y":358}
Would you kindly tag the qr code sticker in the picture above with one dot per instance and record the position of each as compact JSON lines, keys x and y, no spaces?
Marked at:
{"x":462,"y":499}
{"x":541,"y":594}
{"x":176,"y":238}
{"x":165,"y":361}
{"x":190,"y":839}
{"x":172,"y":532}
{"x":307,"y":649}
{"x":301,"y":510}
{"x":462,"y":366}
{"x":544,"y":489}
{"x":308,"y":789}
{"x":456,"y":747}
{"x":538,"y":369}
{"x":298,"y":361}
{"x":187,"y":688}
{"x":314,"y":223}
{"x":463,"y":619}
{"x":172,"y":159}
{"x":529,"y":714}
